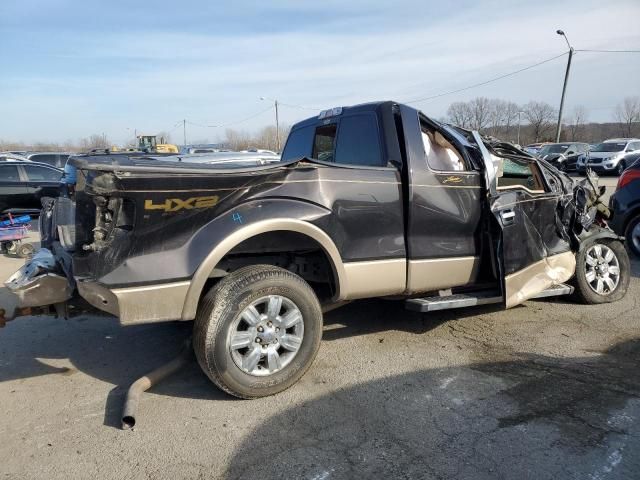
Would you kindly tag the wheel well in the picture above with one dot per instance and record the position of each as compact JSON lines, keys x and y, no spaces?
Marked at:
{"x":293,"y":251}
{"x":633,"y":214}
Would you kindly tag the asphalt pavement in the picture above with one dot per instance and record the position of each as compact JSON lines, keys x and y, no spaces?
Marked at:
{"x":547,"y":390}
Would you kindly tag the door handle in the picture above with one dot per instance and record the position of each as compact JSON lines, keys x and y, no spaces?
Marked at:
{"x":508,"y":217}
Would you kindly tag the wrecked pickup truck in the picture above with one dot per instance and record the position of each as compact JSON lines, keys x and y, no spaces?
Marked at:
{"x":374,"y":200}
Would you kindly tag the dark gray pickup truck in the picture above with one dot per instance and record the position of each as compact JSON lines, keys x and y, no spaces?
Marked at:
{"x":374,"y":200}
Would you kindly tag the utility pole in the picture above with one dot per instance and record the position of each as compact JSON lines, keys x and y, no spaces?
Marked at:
{"x":277,"y":128}
{"x":184,"y":133}
{"x":564,"y":87}
{"x":275,"y":104}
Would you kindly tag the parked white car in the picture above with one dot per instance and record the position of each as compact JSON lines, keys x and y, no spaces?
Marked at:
{"x":610,"y":156}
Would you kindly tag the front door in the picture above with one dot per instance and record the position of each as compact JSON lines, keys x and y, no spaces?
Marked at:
{"x":533,"y":248}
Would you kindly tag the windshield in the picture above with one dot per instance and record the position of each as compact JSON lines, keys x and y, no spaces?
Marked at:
{"x":609,"y":147}
{"x":557,"y":148}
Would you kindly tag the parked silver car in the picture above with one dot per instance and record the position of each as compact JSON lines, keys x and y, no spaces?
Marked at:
{"x":610,"y":156}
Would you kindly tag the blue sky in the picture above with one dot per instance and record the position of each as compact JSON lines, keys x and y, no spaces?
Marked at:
{"x":72,"y":68}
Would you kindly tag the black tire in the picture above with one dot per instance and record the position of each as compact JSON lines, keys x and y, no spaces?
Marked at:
{"x":224,"y":303}
{"x":621,"y":167}
{"x":634,"y":246}
{"x":25,"y":250}
{"x":584,"y":292}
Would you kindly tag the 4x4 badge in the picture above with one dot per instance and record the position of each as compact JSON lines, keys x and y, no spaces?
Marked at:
{"x":177,"y":204}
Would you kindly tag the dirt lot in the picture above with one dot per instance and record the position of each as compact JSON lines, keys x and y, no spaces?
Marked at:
{"x":546,"y":390}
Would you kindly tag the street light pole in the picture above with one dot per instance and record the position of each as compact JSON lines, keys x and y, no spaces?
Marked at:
{"x":564,"y":87}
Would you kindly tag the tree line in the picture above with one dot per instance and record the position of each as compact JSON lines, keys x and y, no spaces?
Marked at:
{"x":537,"y":121}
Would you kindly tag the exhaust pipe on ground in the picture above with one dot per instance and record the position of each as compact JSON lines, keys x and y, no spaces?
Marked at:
{"x":149,"y":380}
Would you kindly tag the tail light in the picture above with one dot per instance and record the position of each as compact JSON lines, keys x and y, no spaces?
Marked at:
{"x":627,"y":177}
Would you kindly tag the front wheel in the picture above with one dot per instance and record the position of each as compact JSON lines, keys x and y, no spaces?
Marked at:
{"x":621,"y":168}
{"x":257,"y":331}
{"x":603,"y":271}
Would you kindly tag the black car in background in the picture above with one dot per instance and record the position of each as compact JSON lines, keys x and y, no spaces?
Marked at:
{"x":23,"y":184}
{"x":54,"y":159}
{"x":625,"y":203}
{"x":563,"y":156}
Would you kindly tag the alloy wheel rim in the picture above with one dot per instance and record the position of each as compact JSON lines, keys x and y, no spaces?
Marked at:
{"x":602,"y":269}
{"x":266,"y":336}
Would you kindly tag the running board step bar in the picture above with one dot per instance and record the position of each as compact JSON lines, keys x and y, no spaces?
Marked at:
{"x":555,"y":291}
{"x":459,"y":300}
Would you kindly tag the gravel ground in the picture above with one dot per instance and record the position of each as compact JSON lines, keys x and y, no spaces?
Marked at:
{"x":549,"y":389}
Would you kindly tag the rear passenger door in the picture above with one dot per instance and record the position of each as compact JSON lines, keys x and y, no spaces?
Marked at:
{"x":41,"y":182}
{"x":13,"y":192}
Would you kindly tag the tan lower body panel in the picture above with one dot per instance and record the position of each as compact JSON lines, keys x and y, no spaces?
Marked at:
{"x":526,"y":283}
{"x":374,"y":278}
{"x":148,"y":304}
{"x":439,"y":273}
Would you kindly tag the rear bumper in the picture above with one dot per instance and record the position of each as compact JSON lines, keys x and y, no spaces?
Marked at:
{"x":41,"y":283}
{"x":135,"y":305}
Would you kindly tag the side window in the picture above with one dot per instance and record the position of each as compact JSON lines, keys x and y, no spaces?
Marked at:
{"x":440,"y":153}
{"x":299,"y":143}
{"x":359,"y":141}
{"x":48,"y":159}
{"x":635,"y":146}
{"x":9,"y":173}
{"x":42,"y":174}
{"x":324,"y":143}
{"x":513,"y":174}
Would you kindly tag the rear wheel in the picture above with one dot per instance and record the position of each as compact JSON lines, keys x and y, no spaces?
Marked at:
{"x":632,"y":235}
{"x":257,"y":331}
{"x":603,"y":271}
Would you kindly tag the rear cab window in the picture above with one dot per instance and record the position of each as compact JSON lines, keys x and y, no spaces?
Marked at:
{"x":352,"y":139}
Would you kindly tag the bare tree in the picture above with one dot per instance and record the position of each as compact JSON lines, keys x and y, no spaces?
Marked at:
{"x":577,"y":119}
{"x":480,"y":113}
{"x":628,"y":113}
{"x":459,"y":114}
{"x":510,"y":116}
{"x":540,"y":116}
{"x":94,"y":141}
{"x":237,"y":139}
{"x":497,"y":115}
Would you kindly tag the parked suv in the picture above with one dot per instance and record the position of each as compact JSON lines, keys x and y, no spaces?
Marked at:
{"x":563,"y":156}
{"x":625,"y":203}
{"x":55,"y":159}
{"x":611,"y":156}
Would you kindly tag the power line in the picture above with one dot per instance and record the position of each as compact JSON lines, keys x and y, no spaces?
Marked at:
{"x":495,"y":79}
{"x":609,"y":51}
